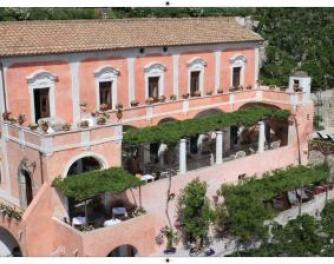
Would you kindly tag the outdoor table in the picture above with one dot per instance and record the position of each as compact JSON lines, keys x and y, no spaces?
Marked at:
{"x":111,"y":222}
{"x":78,"y":220}
{"x":147,"y":177}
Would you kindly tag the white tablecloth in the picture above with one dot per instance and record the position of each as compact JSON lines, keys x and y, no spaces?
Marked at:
{"x":112,"y":222}
{"x":79,"y":220}
{"x":147,"y":177}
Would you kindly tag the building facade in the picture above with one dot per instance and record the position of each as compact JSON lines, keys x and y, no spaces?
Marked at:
{"x":61,"y":74}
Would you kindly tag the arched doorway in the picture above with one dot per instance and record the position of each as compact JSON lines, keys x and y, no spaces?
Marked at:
{"x":81,"y":165}
{"x":9,"y":247}
{"x":124,"y":251}
{"x":25,"y":186}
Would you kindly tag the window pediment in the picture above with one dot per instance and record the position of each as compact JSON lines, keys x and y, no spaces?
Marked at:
{"x":197,"y":63}
{"x":106,"y":73}
{"x":41,"y":78}
{"x":238,"y":59}
{"x":155,"y":67}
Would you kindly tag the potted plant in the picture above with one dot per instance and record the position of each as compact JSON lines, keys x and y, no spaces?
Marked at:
{"x":44,"y":126}
{"x":94,"y":113}
{"x":220,"y":91}
{"x":83,"y":106}
{"x":67,"y":127}
{"x":21,"y":119}
{"x":197,"y":93}
{"x":134,"y":103}
{"x":101,"y":120}
{"x":119,"y":113}
{"x":138,"y":212}
{"x":272,"y":87}
{"x":103,"y":107}
{"x":209,"y":93}
{"x":173,"y":97}
{"x":149,"y":100}
{"x":162,"y":98}
{"x":240,"y":88}
{"x":249,"y":87}
{"x":232,"y":89}
{"x":12,"y":120}
{"x":84,"y":124}
{"x":185,"y":96}
{"x":6,"y":115}
{"x":171,"y":237}
{"x":33,"y":126}
{"x":119,"y":106}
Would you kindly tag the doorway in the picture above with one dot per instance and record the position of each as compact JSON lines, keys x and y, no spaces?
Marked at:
{"x":41,"y":103}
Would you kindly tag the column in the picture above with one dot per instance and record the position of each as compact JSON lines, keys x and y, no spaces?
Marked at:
{"x":261,"y":136}
{"x":183,"y":156}
{"x":219,"y":147}
{"x":161,"y":153}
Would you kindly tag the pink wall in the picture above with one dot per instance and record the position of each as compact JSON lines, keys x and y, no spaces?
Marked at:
{"x":18,"y":91}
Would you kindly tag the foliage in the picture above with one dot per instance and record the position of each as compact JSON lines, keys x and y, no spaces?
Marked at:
{"x":11,"y":211}
{"x":171,"y":132}
{"x":327,"y":219}
{"x":245,"y":201}
{"x":85,"y":185}
{"x":325,"y":147}
{"x":194,"y":210}
{"x":298,"y":238}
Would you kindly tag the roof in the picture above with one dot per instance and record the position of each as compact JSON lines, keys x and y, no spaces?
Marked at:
{"x":62,"y":36}
{"x":299,"y":74}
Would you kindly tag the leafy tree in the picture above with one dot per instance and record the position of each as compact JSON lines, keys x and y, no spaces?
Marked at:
{"x":194,"y":211}
{"x":327,"y":219}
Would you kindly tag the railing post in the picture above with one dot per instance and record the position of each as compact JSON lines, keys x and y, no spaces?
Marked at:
{"x":261,"y":136}
{"x":183,"y":156}
{"x":219,"y":147}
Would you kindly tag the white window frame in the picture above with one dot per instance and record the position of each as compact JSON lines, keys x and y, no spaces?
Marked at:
{"x":238,"y":61}
{"x":155,"y":70}
{"x":41,"y":80}
{"x":197,"y":64}
{"x":107,"y":74}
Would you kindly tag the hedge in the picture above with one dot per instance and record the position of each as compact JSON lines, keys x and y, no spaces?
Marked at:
{"x":172,"y":132}
{"x":85,"y":185}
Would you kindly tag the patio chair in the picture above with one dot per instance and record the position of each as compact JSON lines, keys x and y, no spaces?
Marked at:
{"x":240,"y":154}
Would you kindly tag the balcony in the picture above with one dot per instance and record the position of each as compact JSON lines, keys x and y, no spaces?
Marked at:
{"x":144,"y":115}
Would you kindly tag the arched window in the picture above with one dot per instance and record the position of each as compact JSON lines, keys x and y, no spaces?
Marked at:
{"x":196,"y":76}
{"x":238,"y":71}
{"x":154,"y":80}
{"x":106,"y":87}
{"x":42,"y":95}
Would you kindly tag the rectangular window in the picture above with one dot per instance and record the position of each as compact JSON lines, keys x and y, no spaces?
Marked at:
{"x":194,"y":82}
{"x":153,"y":87}
{"x":41,"y":103}
{"x":236,"y":76}
{"x":105,"y":90}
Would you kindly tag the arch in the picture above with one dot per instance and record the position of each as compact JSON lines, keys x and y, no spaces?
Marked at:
{"x":257,"y":104}
{"x":155,"y":67}
{"x":126,"y":250}
{"x":25,"y":183}
{"x":208,"y":112}
{"x":41,"y":78}
{"x":167,"y":119}
{"x":99,"y":158}
{"x":197,"y":63}
{"x":9,"y":246}
{"x":106,"y":72}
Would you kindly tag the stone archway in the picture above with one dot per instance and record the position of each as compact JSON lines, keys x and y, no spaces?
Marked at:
{"x":26,"y":184}
{"x":9,"y":247}
{"x":124,"y":251}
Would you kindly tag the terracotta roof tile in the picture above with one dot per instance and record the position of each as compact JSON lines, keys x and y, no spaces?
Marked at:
{"x":43,"y":37}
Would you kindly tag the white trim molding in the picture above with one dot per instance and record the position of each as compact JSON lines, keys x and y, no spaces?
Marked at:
{"x":155,"y":69}
{"x":176,"y":59}
{"x":131,"y":80}
{"x":107,"y":74}
{"x":238,"y":61}
{"x":217,"y":70}
{"x":39,"y":80}
{"x":197,"y":64}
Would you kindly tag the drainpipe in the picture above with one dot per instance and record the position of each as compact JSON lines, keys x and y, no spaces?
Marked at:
{"x":2,"y":80}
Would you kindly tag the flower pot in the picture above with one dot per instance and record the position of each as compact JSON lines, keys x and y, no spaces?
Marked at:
{"x":119,"y":115}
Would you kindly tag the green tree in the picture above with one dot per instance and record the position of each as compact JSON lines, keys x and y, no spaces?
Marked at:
{"x":194,"y":211}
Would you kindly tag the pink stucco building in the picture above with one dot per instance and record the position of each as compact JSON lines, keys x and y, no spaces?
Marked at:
{"x":61,"y":73}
